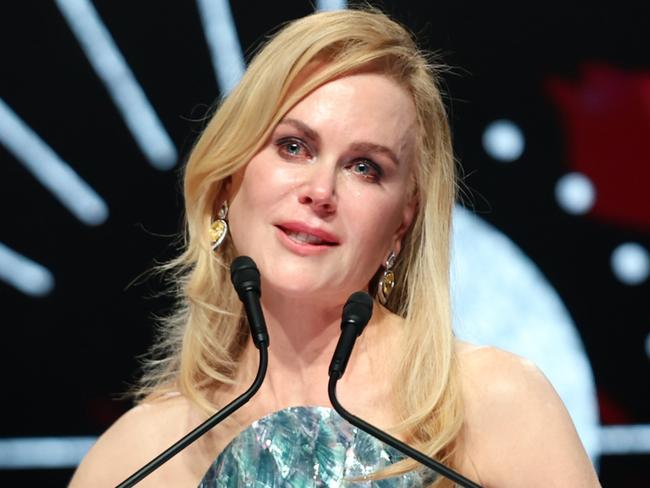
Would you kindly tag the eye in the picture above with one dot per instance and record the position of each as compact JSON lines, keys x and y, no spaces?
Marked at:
{"x":292,"y":148}
{"x":366,"y":169}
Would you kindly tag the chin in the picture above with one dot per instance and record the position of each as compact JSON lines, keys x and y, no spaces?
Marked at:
{"x":307,"y":279}
{"x":294,"y":287}
{"x":309,"y":292}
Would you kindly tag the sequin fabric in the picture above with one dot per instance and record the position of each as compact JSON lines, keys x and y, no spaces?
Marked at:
{"x":305,"y":447}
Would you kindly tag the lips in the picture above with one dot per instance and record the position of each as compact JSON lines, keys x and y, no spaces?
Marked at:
{"x":307,"y":235}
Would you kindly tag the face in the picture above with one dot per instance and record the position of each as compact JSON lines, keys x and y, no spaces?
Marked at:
{"x":328,"y":197}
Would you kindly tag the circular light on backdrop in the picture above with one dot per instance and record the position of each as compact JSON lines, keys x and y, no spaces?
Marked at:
{"x":647,"y":345}
{"x":575,"y":193}
{"x":503,"y":140}
{"x":501,"y":298}
{"x":631,"y":263}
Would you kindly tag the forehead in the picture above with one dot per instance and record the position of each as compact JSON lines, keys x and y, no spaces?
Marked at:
{"x":361,"y":107}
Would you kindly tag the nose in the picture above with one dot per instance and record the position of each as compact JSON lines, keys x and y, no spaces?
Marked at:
{"x":319,"y":189}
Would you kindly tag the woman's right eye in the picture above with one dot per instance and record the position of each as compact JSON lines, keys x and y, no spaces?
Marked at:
{"x":293,"y":148}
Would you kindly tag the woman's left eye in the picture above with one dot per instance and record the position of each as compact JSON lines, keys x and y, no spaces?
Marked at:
{"x":367,"y":169}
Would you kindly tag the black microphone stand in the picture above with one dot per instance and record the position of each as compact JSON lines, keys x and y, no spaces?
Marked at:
{"x":204,"y":427}
{"x":391,"y":441}
{"x":246,"y":280}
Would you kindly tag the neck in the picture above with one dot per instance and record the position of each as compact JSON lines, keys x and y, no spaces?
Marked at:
{"x":303,"y":331}
{"x":303,"y":335}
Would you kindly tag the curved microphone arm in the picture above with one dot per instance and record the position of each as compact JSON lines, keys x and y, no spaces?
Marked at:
{"x":391,"y":441}
{"x":204,"y":427}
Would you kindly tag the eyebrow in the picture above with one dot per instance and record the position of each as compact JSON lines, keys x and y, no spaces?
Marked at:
{"x":355,"y":146}
{"x":375,"y":148}
{"x":308,"y":131}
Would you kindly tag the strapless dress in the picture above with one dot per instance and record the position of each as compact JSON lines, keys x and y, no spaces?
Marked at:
{"x":305,"y":447}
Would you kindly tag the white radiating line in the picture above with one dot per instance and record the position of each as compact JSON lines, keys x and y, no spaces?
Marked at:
{"x":112,"y":69}
{"x":221,"y":35}
{"x":331,"y":4}
{"x":48,"y":168}
{"x":24,"y":274}
{"x":43,"y":452}
{"x":625,"y":439}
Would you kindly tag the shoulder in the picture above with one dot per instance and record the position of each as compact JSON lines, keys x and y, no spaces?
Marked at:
{"x":517,"y":431}
{"x":493,"y":374}
{"x":134,"y":439}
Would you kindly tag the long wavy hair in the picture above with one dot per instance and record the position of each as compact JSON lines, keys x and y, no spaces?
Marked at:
{"x":200,"y":344}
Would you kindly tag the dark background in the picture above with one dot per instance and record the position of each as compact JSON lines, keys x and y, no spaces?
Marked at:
{"x":68,"y":356}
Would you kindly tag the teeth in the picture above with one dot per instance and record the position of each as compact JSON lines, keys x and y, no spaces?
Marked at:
{"x":306,"y":238}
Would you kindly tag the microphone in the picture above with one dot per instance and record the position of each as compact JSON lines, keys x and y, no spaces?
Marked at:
{"x":356,"y":314}
{"x":246,"y":280}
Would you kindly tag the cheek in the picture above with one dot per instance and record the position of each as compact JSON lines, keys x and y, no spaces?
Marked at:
{"x":258,"y":190}
{"x":373,"y":222}
{"x":265,"y":179}
{"x":253,"y":184}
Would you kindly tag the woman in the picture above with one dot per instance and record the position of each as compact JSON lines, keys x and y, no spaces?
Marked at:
{"x":331,"y":163}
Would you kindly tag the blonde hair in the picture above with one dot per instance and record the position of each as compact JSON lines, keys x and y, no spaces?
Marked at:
{"x":200,"y":344}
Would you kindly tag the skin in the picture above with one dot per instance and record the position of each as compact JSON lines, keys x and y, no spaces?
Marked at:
{"x":340,"y":162}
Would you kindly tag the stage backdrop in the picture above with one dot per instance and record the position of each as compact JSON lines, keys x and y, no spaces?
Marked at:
{"x":100,"y":103}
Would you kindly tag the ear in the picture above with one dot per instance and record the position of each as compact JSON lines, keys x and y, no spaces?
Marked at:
{"x":224,"y":195}
{"x":408,"y":214}
{"x":226,"y":188}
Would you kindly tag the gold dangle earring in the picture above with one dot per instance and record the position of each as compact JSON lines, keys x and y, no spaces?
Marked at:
{"x":219,"y":228}
{"x":387,"y":280}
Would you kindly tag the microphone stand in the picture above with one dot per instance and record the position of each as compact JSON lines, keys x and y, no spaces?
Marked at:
{"x":204,"y":427}
{"x":246,"y":280}
{"x":391,"y":441}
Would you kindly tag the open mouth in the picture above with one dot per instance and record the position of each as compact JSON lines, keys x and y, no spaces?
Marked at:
{"x":301,"y":237}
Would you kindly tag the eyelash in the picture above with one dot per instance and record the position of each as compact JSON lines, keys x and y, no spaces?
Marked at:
{"x":378,"y":172}
{"x":283,"y":143}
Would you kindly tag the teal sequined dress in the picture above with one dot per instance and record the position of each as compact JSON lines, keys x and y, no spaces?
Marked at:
{"x":305,"y":447}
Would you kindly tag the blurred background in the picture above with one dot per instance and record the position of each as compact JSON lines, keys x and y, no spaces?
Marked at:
{"x":100,"y":103}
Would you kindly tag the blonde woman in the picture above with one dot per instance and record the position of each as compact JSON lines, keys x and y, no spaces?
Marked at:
{"x":332,"y":166}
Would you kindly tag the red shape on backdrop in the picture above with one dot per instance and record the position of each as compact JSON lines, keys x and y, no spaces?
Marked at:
{"x":611,"y":411}
{"x":606,"y":116}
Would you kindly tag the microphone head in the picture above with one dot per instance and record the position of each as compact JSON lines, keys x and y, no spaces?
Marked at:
{"x":245,"y":276}
{"x":357,"y":310}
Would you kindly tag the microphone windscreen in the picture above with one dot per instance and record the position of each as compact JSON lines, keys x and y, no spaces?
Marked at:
{"x":357,"y":310}
{"x":244,"y":275}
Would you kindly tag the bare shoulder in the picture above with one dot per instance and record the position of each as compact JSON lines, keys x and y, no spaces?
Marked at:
{"x":517,"y":430}
{"x":495,"y":372}
{"x":134,"y":439}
